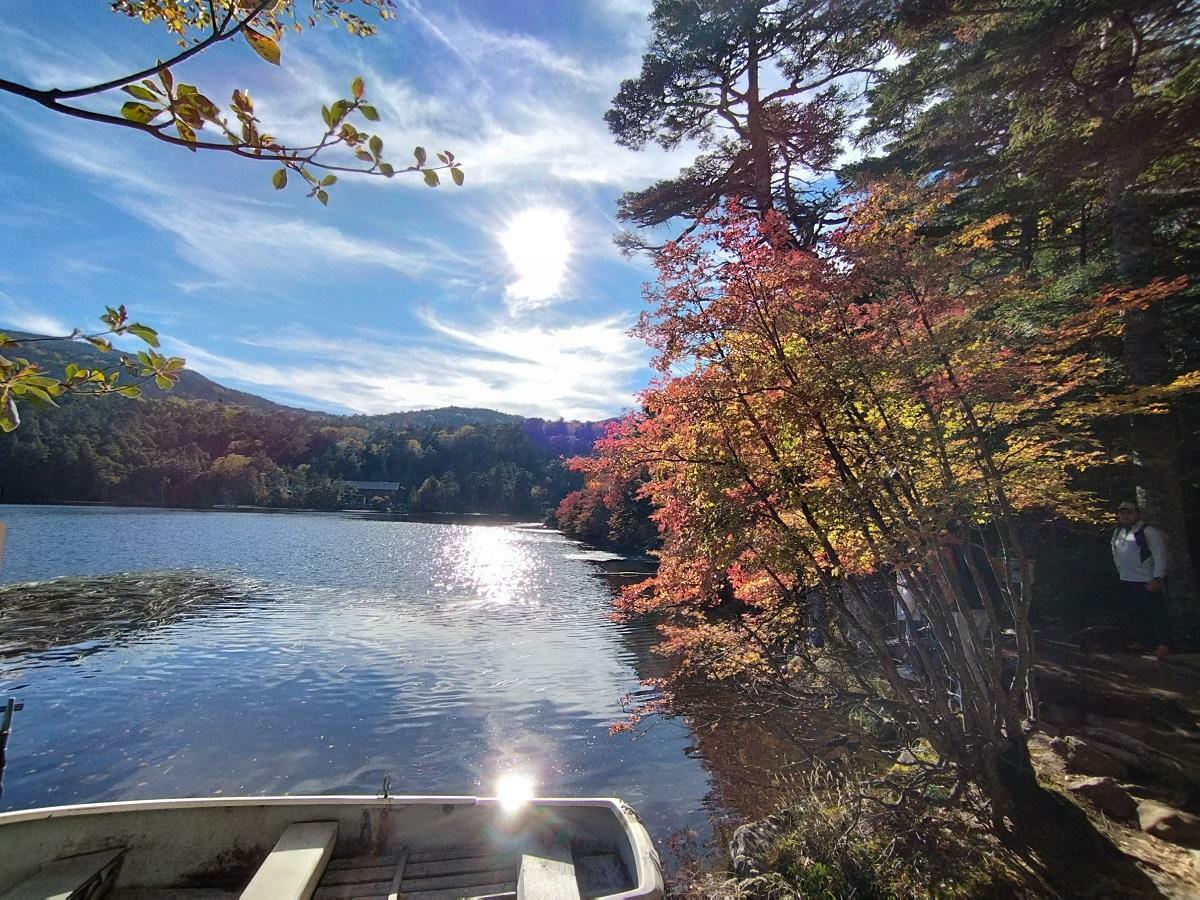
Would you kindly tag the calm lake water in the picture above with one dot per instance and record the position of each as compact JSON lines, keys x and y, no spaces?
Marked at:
{"x":197,"y":653}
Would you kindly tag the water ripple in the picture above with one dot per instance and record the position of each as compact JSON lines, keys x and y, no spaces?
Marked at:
{"x":254,"y":654}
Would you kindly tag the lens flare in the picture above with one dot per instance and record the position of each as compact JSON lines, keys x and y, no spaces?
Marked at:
{"x":514,"y":790}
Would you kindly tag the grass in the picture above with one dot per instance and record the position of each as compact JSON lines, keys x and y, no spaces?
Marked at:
{"x":835,"y":840}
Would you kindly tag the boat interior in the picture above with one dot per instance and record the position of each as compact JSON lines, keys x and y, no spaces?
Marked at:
{"x":283,"y":848}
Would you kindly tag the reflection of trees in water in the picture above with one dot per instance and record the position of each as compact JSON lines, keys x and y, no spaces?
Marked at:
{"x":38,"y":618}
{"x":757,"y":750}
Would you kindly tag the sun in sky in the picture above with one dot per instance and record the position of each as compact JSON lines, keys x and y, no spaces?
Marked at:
{"x":507,"y":293}
{"x":537,"y":242}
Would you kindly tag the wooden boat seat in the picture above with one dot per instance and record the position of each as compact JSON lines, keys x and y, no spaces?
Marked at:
{"x":548,"y":873}
{"x":294,"y":866}
{"x":85,"y":877}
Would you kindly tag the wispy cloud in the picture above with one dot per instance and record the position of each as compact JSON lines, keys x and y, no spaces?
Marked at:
{"x":24,"y":317}
{"x":236,"y":242}
{"x":577,"y":371}
{"x":53,"y":64}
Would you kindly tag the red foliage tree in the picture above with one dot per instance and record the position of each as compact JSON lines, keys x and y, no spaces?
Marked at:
{"x":825,"y":424}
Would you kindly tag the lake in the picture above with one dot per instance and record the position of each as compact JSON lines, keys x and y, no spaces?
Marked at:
{"x":220,"y":653}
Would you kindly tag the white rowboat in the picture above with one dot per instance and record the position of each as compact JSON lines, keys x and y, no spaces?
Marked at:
{"x":326,"y":847}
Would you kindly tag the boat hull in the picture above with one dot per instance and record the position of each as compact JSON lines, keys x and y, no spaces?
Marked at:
{"x":216,"y":844}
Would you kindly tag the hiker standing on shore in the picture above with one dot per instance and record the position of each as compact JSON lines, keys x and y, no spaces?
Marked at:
{"x":1140,"y":555}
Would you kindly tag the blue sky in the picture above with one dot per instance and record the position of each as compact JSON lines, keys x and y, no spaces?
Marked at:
{"x":507,"y":293}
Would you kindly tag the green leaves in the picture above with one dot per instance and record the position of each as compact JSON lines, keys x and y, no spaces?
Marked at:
{"x":22,"y":380}
{"x":145,"y":332}
{"x":264,"y":46}
{"x":10,"y":419}
{"x":184,"y":108}
{"x":142,"y":93}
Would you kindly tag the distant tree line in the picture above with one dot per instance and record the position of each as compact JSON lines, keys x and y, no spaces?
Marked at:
{"x":183,"y":452}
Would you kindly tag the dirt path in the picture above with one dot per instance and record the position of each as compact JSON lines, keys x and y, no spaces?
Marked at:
{"x":1124,"y":731}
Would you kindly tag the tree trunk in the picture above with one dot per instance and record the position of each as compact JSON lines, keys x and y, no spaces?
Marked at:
{"x":1154,"y":439}
{"x":1028,"y":240}
{"x":760,"y":148}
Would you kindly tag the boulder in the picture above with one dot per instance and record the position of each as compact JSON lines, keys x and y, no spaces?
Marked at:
{"x":1168,"y":823}
{"x":750,"y":844}
{"x":1060,"y":715}
{"x":1080,"y":759}
{"x":1107,"y":796}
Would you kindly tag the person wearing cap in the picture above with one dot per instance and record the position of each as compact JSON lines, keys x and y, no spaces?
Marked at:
{"x":1140,"y":554}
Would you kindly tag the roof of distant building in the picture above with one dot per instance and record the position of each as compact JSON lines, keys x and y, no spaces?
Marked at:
{"x":374,"y":485}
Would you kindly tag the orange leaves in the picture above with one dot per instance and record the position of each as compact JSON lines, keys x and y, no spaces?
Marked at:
{"x":816,"y":414}
{"x":979,"y":236}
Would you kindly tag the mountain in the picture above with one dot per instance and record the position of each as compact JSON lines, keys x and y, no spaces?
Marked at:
{"x":54,"y":355}
{"x":442,"y":417}
{"x":203,"y":444}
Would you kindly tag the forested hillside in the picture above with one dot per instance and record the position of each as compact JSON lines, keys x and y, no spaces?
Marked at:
{"x":205,"y":444}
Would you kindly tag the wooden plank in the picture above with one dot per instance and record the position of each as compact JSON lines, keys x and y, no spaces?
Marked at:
{"x":461,"y":864}
{"x":61,"y":878}
{"x":462,"y":880}
{"x":398,"y":876}
{"x":344,"y":891}
{"x":357,"y":876}
{"x":462,"y":851}
{"x":294,"y":866}
{"x":359,"y":862}
{"x":504,"y":889}
{"x":548,"y":873}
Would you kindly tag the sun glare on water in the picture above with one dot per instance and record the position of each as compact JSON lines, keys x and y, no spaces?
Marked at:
{"x":537,"y":242}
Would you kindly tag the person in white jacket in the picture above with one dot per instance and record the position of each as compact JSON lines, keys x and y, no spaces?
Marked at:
{"x":1140,"y":555}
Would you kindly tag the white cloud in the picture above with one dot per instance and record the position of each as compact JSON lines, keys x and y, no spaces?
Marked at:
{"x":575,"y":371}
{"x":237,"y":242}
{"x":520,"y":111}
{"x":53,"y":64}
{"x":25,"y":318}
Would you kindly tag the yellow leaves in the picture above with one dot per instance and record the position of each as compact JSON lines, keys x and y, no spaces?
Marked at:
{"x":979,"y":236}
{"x":139,"y":112}
{"x":264,"y":46}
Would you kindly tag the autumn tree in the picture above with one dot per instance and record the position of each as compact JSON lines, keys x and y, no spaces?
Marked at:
{"x":836,"y":429}
{"x":765,"y":87}
{"x":158,"y":103}
{"x":1079,"y":121}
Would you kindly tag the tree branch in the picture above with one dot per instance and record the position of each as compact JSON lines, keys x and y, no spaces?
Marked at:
{"x":216,"y":37}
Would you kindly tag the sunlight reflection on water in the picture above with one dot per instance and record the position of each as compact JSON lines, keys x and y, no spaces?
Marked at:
{"x":308,"y":653}
{"x":497,"y":565}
